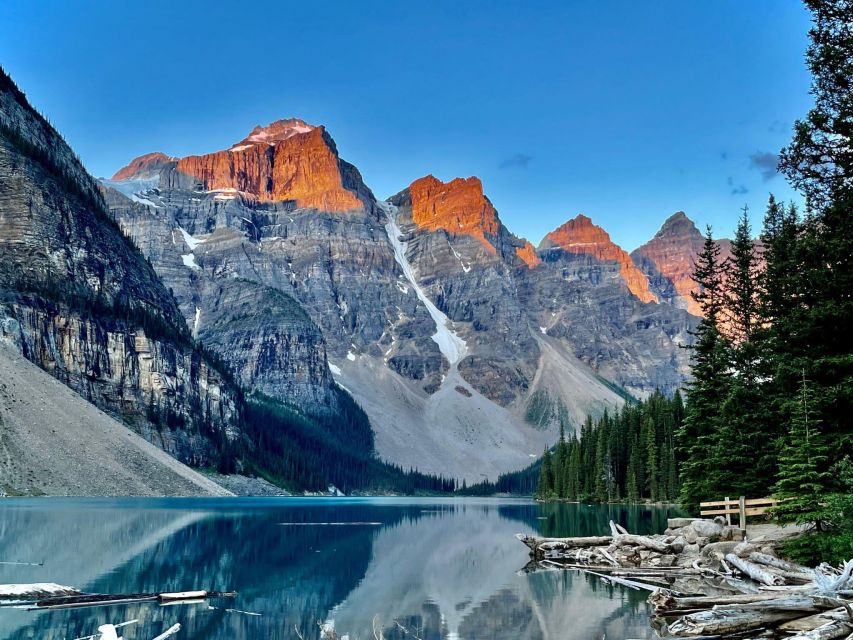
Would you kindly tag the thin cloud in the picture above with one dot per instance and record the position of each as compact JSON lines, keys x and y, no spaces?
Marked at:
{"x":767,"y":163}
{"x":519,"y":160}
{"x":737,"y":190}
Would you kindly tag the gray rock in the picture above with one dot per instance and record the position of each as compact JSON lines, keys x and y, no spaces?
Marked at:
{"x":678,"y":523}
{"x":718,"y":548}
{"x":707,"y":528}
{"x":743,"y":549}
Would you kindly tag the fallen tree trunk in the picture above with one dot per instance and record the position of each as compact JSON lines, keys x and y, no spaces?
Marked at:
{"x":35,"y":591}
{"x":773,"y":561}
{"x":728,"y":620}
{"x":665,"y":600}
{"x":537,"y":544}
{"x":646,"y":542}
{"x":828,"y":631}
{"x":754,"y":571}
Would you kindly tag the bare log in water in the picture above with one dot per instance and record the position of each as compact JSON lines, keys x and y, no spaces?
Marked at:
{"x":535,"y":543}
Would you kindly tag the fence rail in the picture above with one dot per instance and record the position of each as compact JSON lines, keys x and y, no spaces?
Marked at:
{"x":741,"y":507}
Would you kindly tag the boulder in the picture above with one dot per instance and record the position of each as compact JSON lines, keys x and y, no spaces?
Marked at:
{"x":678,"y":523}
{"x":688,"y":555}
{"x":667,"y":560}
{"x":707,"y":528}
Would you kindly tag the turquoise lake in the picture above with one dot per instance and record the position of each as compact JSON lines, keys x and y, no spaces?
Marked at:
{"x":442,"y":569}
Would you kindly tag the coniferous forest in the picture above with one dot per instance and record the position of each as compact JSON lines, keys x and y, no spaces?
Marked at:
{"x":626,"y":455}
{"x":768,"y":408}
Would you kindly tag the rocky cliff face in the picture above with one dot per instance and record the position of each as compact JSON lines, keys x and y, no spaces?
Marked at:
{"x":464,"y":259}
{"x":286,"y":161}
{"x":80,"y":301}
{"x":232,"y":300}
{"x":580,"y":236}
{"x":668,"y":260}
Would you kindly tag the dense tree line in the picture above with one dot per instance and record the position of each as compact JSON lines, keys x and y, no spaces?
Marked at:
{"x":523,"y":482}
{"x":298,"y":451}
{"x":628,"y":455}
{"x":769,"y":406}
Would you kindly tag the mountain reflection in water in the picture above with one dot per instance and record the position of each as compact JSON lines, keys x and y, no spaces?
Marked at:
{"x":441,"y":568}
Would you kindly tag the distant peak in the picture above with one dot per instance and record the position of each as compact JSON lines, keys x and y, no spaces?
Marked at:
{"x":275,"y":132}
{"x":676,"y":224}
{"x":581,"y":220}
{"x":457,"y":184}
{"x":145,"y":166}
{"x":580,"y":236}
{"x":581,"y":224}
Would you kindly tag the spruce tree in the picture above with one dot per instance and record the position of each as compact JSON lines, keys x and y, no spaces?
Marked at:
{"x":742,"y":468}
{"x":698,"y":436}
{"x":545,"y":489}
{"x":573,"y":479}
{"x":802,"y":479}
{"x":652,"y":466}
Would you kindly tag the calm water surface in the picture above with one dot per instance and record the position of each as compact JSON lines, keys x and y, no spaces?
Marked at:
{"x":444,"y":568}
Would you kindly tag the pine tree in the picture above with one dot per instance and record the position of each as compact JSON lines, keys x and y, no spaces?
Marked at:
{"x":802,"y":478}
{"x":744,"y":416}
{"x":601,"y":472}
{"x":698,"y":436}
{"x":652,"y":467}
{"x":545,"y":489}
{"x":573,"y":480}
{"x":561,"y":460}
{"x":632,"y":491}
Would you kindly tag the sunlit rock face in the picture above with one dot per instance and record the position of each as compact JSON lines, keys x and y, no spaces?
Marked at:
{"x":581,"y":236}
{"x":458,"y":207}
{"x":288,"y":160}
{"x":144,"y":167}
{"x":668,"y":260}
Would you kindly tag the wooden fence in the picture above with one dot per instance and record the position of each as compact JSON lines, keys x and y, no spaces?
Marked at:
{"x":742,"y":507}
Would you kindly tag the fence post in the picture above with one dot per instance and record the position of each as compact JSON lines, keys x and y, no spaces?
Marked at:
{"x":728,"y":515}
{"x":742,"y":514}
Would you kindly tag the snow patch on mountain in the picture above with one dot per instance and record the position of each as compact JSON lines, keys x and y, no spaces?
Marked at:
{"x":449,"y":343}
{"x":191,"y":242}
{"x":136,"y":188}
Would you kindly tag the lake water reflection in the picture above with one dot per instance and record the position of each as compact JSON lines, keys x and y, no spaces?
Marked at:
{"x":441,"y":568}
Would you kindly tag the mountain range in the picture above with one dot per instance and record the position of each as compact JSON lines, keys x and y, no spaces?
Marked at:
{"x":270,"y":267}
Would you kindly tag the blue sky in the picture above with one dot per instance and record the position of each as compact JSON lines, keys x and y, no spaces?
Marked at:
{"x":626,"y":111}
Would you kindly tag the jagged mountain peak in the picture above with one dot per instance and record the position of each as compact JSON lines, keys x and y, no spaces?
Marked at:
{"x":581,"y":236}
{"x":458,"y":207}
{"x":145,"y":166}
{"x":274,"y":132}
{"x":287,"y":160}
{"x":678,"y":224}
{"x":576,"y":232}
